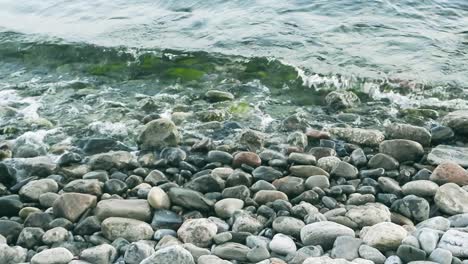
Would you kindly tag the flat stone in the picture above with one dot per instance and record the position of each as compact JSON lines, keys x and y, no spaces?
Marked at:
{"x":384,"y":161}
{"x":455,"y":241}
{"x":102,"y":254}
{"x":444,"y":153}
{"x":345,"y":170}
{"x":232,"y":251}
{"x":441,"y":256}
{"x":72,"y":205}
{"x":265,"y":196}
{"x":137,"y":251}
{"x":346,"y":247}
{"x":450,"y":172}
{"x":190,"y":199}
{"x":129,"y":229}
{"x":451,"y":199}
{"x":422,"y":188}
{"x":113,"y":159}
{"x":306,"y":171}
{"x":320,"y":181}
{"x":324,"y":233}
{"x":358,"y":136}
{"x":288,"y":225}
{"x":91,"y":186}
{"x":33,"y":189}
{"x":10,"y":206}
{"x":369,"y":214}
{"x":372,"y":254}
{"x":135,"y":208}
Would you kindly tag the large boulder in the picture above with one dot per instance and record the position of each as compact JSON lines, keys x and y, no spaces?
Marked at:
{"x":158,"y":134}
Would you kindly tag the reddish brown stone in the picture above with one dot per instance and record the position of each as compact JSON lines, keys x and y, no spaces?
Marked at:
{"x":317,"y":134}
{"x":248,"y":158}
{"x":450,"y":172}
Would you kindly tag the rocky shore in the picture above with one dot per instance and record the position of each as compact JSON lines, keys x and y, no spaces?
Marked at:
{"x":333,"y":196}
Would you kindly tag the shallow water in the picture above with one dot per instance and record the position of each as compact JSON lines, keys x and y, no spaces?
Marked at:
{"x":97,"y":67}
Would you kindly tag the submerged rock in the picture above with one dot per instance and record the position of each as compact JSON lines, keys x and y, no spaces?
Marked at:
{"x":158,"y":134}
{"x":341,"y":100}
{"x":366,"y":137}
{"x":410,"y":132}
{"x":402,"y":149}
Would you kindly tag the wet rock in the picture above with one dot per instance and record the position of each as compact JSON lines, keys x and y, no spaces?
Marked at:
{"x":450,"y":172}
{"x":38,"y":219}
{"x":88,"y":226}
{"x":291,"y":186}
{"x":158,"y":199}
{"x":189,"y":199}
{"x":137,"y":209}
{"x":171,"y":254}
{"x":413,"y":151}
{"x":358,"y":158}
{"x":410,"y":132}
{"x":102,"y":254}
{"x":218,"y":96}
{"x":421,"y":188}
{"x":443,"y":154}
{"x":225,"y":208}
{"x":441,"y":134}
{"x":265,"y":173}
{"x":231,"y":251}
{"x":266,"y":196}
{"x":324,"y":233}
{"x":206,"y":183}
{"x":115,"y":186}
{"x":458,"y":121}
{"x":282,"y":244}
{"x":219,"y":156}
{"x":33,"y":189}
{"x":252,"y":139}
{"x":72,"y":205}
{"x":366,"y":137}
{"x":27,"y":146}
{"x":319,"y":181}
{"x":137,"y":252}
{"x":451,"y":199}
{"x":301,"y":159}
{"x":384,"y":236}
{"x":159,"y":133}
{"x":109,"y":160}
{"x":328,"y":163}
{"x":92,"y":187}
{"x":341,"y":100}
{"x":199,"y":232}
{"x":247,"y":158}
{"x":8,"y":178}
{"x":58,"y":255}
{"x":455,"y":241}
{"x":129,"y":229}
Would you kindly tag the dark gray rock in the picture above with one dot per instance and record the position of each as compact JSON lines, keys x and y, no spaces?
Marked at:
{"x":402,"y":149}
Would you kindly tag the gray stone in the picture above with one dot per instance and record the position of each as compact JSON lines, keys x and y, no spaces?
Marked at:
{"x":301,"y":159}
{"x":92,"y":187}
{"x":33,"y":189}
{"x":384,"y":236}
{"x":393,"y":260}
{"x":136,"y":209}
{"x":258,"y":254}
{"x":441,"y":256}
{"x":451,"y":199}
{"x":436,"y":223}
{"x":12,"y":255}
{"x":196,"y":251}
{"x":245,"y":222}
{"x":458,"y":121}
{"x":428,"y":240}
{"x":358,"y":136}
{"x":456,"y":242}
{"x":10,"y":230}
{"x":211,"y":259}
{"x":159,"y":133}
{"x":55,"y":235}
{"x":405,"y":131}
{"x":30,"y":237}
{"x":413,"y":207}
{"x":110,"y":160}
{"x":408,"y":253}
{"x":444,"y":153}
{"x":288,"y":225}
{"x":420,"y":188}
{"x":389,"y":185}
{"x":58,"y":255}
{"x":328,"y":163}
{"x":319,"y":181}
{"x":369,"y":214}
{"x":346,"y":247}
{"x":47,"y":199}
{"x":189,"y":199}
{"x":459,"y":220}
{"x":341,"y":100}
{"x":225,"y":208}
{"x":282,"y":244}
{"x":324,"y":233}
{"x":384,"y":161}
{"x":325,"y":260}
{"x":264,"y":196}
{"x":218,"y":96}
{"x":72,"y":205}
{"x":171,"y":254}
{"x":158,"y":199}
{"x":231,"y":251}
{"x":199,"y":232}
{"x":129,"y":229}
{"x":136,"y":252}
{"x":305,"y":171}
{"x":102,"y":254}
{"x":372,"y":254}
{"x":413,"y":151}
{"x":358,"y":158}
{"x":345,"y":170}
{"x":266,"y":173}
